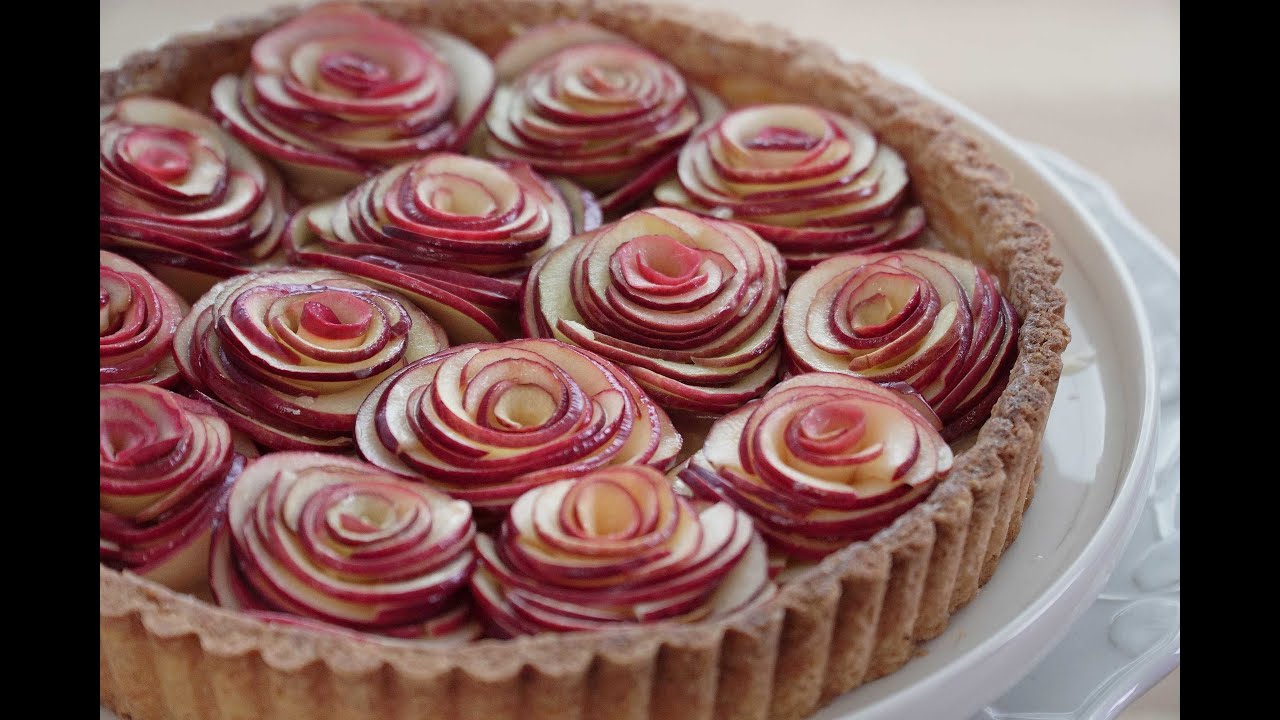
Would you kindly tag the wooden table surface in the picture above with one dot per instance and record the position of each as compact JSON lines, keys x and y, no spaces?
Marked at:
{"x":1097,"y":80}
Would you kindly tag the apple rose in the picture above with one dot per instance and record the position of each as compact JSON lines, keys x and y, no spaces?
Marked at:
{"x":455,"y":234}
{"x":289,"y":355}
{"x":164,"y":461}
{"x":338,"y":93}
{"x":616,"y":546}
{"x":822,"y":460}
{"x":810,"y":181}
{"x":689,"y":306}
{"x":488,"y":421}
{"x":333,"y":539}
{"x":180,"y":195}
{"x":582,"y":102}
{"x":929,"y":319}
{"x":137,"y":318}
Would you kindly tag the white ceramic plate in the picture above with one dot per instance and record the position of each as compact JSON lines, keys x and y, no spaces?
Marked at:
{"x":1099,"y":466}
{"x":1099,"y":459}
{"x":1130,"y":638}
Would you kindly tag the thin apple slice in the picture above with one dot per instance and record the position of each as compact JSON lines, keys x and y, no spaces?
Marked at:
{"x":585,"y":554}
{"x":489,"y":421}
{"x":337,"y":93}
{"x":454,"y":234}
{"x":821,"y":460}
{"x":930,"y":320}
{"x":182,"y":192}
{"x":812,"y":182}
{"x":588,"y":104}
{"x":138,"y":317}
{"x":165,"y":463}
{"x":248,"y":345}
{"x":689,"y":305}
{"x":336,"y":540}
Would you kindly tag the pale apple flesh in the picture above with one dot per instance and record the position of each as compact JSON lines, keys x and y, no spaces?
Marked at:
{"x":175,"y":190}
{"x":164,"y":463}
{"x":812,"y":182}
{"x":138,"y":317}
{"x":333,"y":540}
{"x":579,"y":101}
{"x":822,"y":460}
{"x":486,"y":422}
{"x":338,"y":93}
{"x":288,"y":356}
{"x":616,"y":546}
{"x":689,"y":306}
{"x":927,"y":319}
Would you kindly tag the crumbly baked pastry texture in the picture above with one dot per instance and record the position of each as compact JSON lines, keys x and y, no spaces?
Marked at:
{"x":856,"y":616}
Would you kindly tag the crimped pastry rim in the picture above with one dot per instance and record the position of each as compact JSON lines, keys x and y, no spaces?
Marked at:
{"x":1007,"y":445}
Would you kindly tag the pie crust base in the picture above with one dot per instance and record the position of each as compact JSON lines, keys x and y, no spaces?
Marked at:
{"x":858,"y":615}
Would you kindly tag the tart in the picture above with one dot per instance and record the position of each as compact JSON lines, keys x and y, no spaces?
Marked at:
{"x":849,"y":613}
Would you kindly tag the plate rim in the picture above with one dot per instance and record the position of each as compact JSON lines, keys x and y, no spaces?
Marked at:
{"x":1078,"y":586}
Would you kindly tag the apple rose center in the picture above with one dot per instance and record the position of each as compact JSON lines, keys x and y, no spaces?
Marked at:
{"x":662,"y":259}
{"x":882,"y":302}
{"x":358,"y":515}
{"x":114,"y":303}
{"x":160,"y":152}
{"x":603,"y":77}
{"x":461,"y":196}
{"x":607,"y":80}
{"x":354,"y":72}
{"x":782,"y":138}
{"x":523,"y":406}
{"x":837,"y":425}
{"x":333,"y":317}
{"x":130,"y":442}
{"x":606,"y":510}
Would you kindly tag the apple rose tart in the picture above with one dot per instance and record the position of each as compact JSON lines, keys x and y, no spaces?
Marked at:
{"x":337,"y":540}
{"x":812,"y":182}
{"x":926,"y":318}
{"x":616,"y":545}
{"x":137,"y":318}
{"x":488,"y":421}
{"x":576,"y":100}
{"x":289,"y":355}
{"x":689,"y":306}
{"x":164,"y":461}
{"x":338,"y":93}
{"x":452,"y":233}
{"x":822,"y":460}
{"x":180,"y":195}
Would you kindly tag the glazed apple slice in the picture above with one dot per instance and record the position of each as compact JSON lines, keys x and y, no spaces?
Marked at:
{"x":164,"y":463}
{"x":928,"y":319}
{"x":183,"y":197}
{"x":823,"y":459}
{"x":338,"y":93}
{"x":579,"y":101}
{"x":454,"y":234}
{"x":288,"y":356}
{"x":810,"y":181}
{"x":690,"y":306}
{"x":137,"y":318}
{"x":616,"y":546}
{"x":335,"y":540}
{"x":488,"y":421}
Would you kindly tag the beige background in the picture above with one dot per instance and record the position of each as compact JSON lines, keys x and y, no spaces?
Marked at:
{"x":1097,"y":80}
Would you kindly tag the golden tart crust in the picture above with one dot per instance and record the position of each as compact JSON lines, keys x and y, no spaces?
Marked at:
{"x":856,"y":616}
